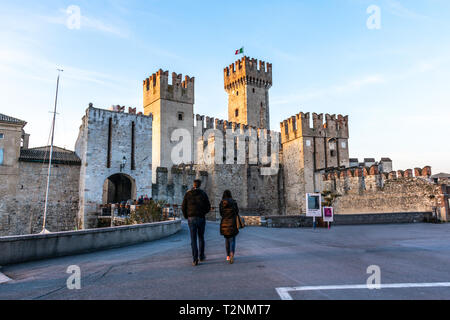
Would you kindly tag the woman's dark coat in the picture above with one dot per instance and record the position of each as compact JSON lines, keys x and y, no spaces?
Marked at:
{"x":228,"y":211}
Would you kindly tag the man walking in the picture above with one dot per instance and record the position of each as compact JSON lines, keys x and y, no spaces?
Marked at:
{"x":195,"y":206}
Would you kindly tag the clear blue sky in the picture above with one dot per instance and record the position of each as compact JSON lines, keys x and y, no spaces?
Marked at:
{"x":393,"y":82}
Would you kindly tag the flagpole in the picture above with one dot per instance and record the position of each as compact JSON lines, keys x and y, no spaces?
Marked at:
{"x":44,"y":230}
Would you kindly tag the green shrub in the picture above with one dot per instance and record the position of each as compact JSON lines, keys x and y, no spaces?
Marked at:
{"x":147,"y":213}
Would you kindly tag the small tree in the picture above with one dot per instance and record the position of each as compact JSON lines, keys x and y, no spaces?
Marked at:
{"x":147,"y":213}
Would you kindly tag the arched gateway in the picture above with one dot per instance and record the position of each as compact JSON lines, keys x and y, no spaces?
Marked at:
{"x":119,"y":187}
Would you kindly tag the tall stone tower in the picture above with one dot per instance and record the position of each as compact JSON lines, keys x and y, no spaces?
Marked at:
{"x":172,"y":107}
{"x":248,"y":87}
{"x":308,"y":146}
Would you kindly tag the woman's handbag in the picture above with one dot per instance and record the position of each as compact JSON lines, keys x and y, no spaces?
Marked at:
{"x":240,"y":222}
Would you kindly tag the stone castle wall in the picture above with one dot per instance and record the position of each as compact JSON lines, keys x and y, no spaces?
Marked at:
{"x":22,"y":212}
{"x":182,"y":180}
{"x":365,"y":190}
{"x":246,"y":144}
{"x":248,"y":164}
{"x":254,"y":193}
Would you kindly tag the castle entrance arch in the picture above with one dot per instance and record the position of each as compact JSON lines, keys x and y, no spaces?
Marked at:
{"x":119,"y":187}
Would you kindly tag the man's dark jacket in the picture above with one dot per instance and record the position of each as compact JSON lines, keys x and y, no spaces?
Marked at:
{"x":195,"y":204}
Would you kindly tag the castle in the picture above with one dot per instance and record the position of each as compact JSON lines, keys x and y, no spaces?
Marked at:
{"x":122,"y":155}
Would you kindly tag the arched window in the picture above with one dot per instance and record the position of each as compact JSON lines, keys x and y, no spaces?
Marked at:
{"x":236,"y":113}
{"x":332,"y":146}
{"x":180,"y":116}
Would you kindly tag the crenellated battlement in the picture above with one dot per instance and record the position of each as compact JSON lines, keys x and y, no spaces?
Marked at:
{"x":317,"y":125}
{"x":248,"y":71}
{"x":365,"y":190}
{"x":157,"y":87}
{"x":206,"y":123}
{"x":366,"y":180}
{"x":236,"y":144}
{"x":342,"y":174}
{"x":95,"y":114}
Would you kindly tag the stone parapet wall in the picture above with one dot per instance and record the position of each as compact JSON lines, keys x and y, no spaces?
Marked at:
{"x":303,"y":221}
{"x":252,"y":220}
{"x":19,"y":249}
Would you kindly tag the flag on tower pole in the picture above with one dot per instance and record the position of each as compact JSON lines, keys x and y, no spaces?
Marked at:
{"x":239,"y":51}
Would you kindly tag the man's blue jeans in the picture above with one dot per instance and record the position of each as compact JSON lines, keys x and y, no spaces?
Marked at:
{"x":197,"y":229}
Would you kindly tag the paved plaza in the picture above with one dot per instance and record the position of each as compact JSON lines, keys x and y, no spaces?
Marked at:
{"x":271,"y":264}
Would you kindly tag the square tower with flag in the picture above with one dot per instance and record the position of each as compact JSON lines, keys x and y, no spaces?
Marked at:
{"x":247,"y":82}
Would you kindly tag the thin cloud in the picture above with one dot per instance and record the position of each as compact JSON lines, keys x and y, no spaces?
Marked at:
{"x":18,"y":63}
{"x":396,"y":8}
{"x":88,"y":23}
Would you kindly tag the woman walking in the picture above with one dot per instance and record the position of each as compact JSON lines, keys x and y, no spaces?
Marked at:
{"x":228,"y":226}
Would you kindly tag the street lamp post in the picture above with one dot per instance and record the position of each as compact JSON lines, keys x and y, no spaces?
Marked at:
{"x":123,"y":164}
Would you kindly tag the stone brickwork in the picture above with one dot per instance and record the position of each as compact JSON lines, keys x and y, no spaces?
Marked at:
{"x":182,"y":180}
{"x":23,"y":212}
{"x":367,"y":190}
{"x":347,"y":219}
{"x":23,"y":179}
{"x":254,"y":193}
{"x":222,"y":142}
{"x":11,"y":132}
{"x":242,"y":166}
{"x":105,"y":139}
{"x":247,"y":85}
